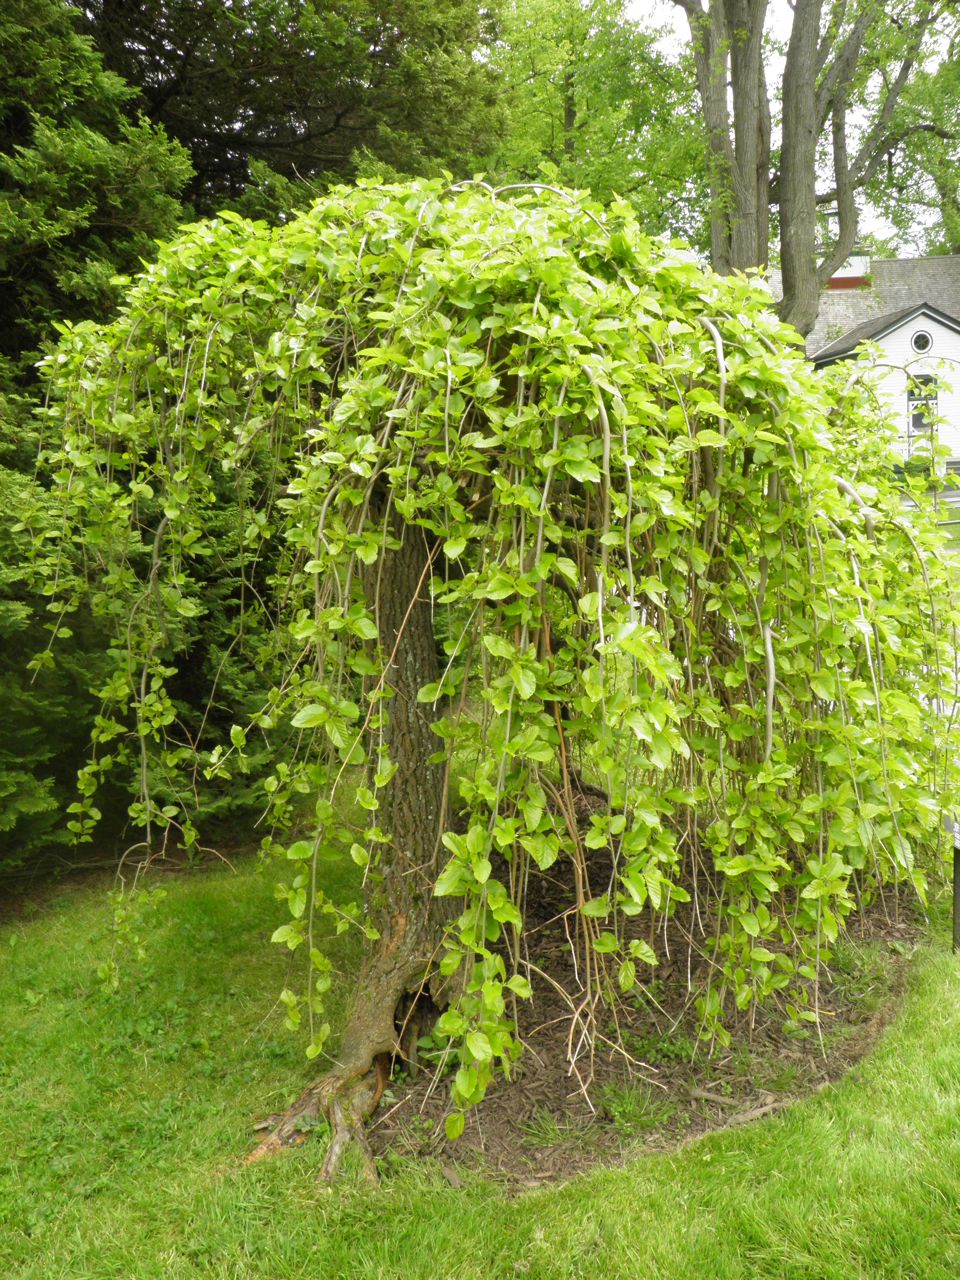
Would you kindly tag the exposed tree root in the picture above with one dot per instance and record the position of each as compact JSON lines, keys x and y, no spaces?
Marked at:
{"x":378,"y":1032}
{"x":346,"y":1101}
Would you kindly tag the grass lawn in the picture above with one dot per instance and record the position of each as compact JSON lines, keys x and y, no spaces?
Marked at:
{"x":124,"y":1118}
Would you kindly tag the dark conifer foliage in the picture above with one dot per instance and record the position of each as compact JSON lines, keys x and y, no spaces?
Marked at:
{"x":304,"y":87}
{"x":86,"y":186}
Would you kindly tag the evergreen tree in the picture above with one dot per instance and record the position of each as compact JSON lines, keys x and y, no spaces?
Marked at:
{"x":85,"y":187}
{"x":307,"y":89}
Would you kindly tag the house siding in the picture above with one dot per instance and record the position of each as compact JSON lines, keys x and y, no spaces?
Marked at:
{"x":899,"y":360}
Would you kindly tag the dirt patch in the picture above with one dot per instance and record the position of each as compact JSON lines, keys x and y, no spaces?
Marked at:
{"x":542,"y":1126}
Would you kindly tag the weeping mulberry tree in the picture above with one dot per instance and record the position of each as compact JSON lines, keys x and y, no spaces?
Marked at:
{"x":550,"y":563}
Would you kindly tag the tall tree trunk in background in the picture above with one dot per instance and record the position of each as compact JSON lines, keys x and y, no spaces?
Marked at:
{"x":824,"y":70}
{"x":750,"y":229}
{"x":798,"y":155}
{"x":569,"y":114}
{"x":948,"y":193}
{"x":727,"y":46}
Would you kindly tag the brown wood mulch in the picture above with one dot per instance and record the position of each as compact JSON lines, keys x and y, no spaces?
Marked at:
{"x":542,"y":1127}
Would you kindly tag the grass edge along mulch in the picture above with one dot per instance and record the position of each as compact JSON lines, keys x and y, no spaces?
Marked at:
{"x":122,"y":1122}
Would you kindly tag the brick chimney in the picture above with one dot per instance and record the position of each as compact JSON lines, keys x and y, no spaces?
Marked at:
{"x":854,"y":274}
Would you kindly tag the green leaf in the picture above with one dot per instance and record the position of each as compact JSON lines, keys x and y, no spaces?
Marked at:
{"x":520,"y":986}
{"x":359,"y":855}
{"x":454,"y":1125}
{"x":582,"y":469}
{"x":499,"y":646}
{"x":486,"y":387}
{"x":525,"y":682}
{"x":607,"y":943}
{"x":366,"y":799}
{"x":478,"y":1045}
{"x":291,"y":934}
{"x":451,"y":1023}
{"x":311,"y":716}
{"x":707,"y":436}
{"x":454,"y":879}
{"x":643,"y":951}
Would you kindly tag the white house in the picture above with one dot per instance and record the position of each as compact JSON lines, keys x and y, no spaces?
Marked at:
{"x":916,"y":354}
{"x":909,"y":308}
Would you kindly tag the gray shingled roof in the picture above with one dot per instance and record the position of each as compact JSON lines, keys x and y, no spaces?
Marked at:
{"x":877,"y":327}
{"x":894,"y":284}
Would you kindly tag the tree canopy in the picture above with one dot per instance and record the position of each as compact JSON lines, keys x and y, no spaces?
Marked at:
{"x":554,"y":570}
{"x":85,"y":187}
{"x":845,"y":67}
{"x":588,"y":90}
{"x":303,"y":87}
{"x":918,"y":185}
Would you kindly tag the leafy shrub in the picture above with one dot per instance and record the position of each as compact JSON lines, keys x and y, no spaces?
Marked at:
{"x":668,"y":569}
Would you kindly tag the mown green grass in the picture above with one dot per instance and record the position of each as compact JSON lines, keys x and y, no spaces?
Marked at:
{"x":124,"y":1119}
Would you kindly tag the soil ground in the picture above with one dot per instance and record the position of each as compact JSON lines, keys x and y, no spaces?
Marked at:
{"x":542,"y":1127}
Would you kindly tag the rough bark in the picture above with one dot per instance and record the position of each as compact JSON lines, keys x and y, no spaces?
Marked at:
{"x":824,"y":58}
{"x":797,"y":194}
{"x":727,"y":40}
{"x":749,"y":230}
{"x":708,"y":37}
{"x":402,"y":908}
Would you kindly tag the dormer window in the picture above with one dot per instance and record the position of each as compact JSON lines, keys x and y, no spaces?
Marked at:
{"x":921,"y":342}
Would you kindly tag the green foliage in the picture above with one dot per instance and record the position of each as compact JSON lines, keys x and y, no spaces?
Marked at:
{"x":655,"y":1049}
{"x":634,"y":1108}
{"x":305,"y":87}
{"x":918,"y":190}
{"x":662,"y":553}
{"x":47,"y":715}
{"x":84,"y":188}
{"x":588,"y":93}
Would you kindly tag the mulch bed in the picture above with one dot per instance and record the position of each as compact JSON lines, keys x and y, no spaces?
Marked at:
{"x":542,"y":1127}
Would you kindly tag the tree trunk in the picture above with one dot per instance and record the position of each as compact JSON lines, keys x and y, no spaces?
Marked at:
{"x":569,"y":114}
{"x":708,"y":38}
{"x":727,"y":48}
{"x":819,"y":69}
{"x":948,"y":193}
{"x":797,"y":192}
{"x":751,"y":132}
{"x":401,"y":906}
